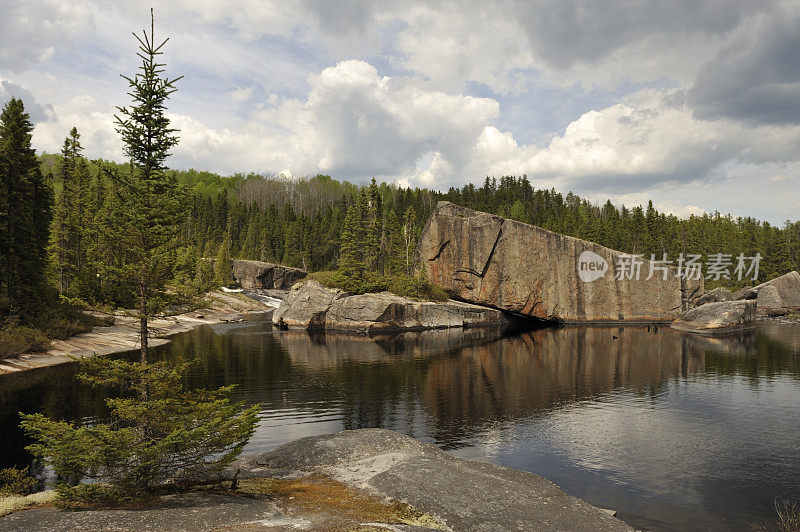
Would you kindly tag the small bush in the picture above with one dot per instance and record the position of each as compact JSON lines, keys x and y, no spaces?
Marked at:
{"x":17,"y":339}
{"x":63,"y":321}
{"x":85,"y":496}
{"x":416,"y":287}
{"x":15,"y":481}
{"x":158,"y":433}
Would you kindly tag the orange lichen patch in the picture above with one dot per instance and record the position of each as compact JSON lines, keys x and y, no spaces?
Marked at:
{"x":322,"y":494}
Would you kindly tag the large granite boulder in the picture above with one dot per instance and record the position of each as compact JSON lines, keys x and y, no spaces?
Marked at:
{"x":251,"y":274}
{"x":489,"y":260}
{"x":306,"y":307}
{"x":770,"y":303}
{"x":787,"y":288}
{"x":369,"y":313}
{"x":311,"y":306}
{"x":723,"y":317}
{"x":714,"y":296}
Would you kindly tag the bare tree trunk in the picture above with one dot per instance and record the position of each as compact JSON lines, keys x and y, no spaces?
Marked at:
{"x":143,"y":331}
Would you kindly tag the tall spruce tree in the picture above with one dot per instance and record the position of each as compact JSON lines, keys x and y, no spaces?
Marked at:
{"x":25,"y":214}
{"x":145,"y":211}
{"x":71,"y":223}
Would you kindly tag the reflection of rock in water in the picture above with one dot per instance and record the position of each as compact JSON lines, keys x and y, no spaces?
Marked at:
{"x":787,"y":335}
{"x":738,"y":345}
{"x":327,"y":350}
{"x":541,"y":369}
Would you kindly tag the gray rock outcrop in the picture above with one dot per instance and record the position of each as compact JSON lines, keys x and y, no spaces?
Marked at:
{"x":311,"y":306}
{"x":251,"y":274}
{"x":489,"y":260}
{"x":306,"y":307}
{"x":714,"y":296}
{"x":714,"y":319}
{"x":787,"y":288}
{"x":467,"y":496}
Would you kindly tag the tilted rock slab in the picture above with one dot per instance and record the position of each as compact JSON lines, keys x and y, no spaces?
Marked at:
{"x":714,"y":319}
{"x":521,"y":268}
{"x":786,"y":289}
{"x":312,"y":306}
{"x":463,"y":495}
{"x":714,"y":296}
{"x":251,"y":274}
{"x":306,"y":307}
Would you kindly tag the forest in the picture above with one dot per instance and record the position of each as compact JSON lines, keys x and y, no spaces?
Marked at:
{"x":75,"y":252}
{"x":299,"y":221}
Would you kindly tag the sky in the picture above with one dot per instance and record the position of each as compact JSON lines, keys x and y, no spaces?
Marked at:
{"x":692,"y":104}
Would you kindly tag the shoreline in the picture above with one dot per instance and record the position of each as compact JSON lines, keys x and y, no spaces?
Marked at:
{"x":124,"y":334}
{"x":364,"y":479}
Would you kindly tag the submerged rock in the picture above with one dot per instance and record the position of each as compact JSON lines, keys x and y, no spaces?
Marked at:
{"x":251,"y":274}
{"x":489,"y":260}
{"x":714,"y":296}
{"x":723,"y":317}
{"x":311,"y":306}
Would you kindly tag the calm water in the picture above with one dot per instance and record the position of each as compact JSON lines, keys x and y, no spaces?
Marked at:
{"x":673,"y":431}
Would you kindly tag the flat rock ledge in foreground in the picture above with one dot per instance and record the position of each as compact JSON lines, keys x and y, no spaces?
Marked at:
{"x":720,"y":318}
{"x":524,"y":269}
{"x":313,"y":307}
{"x":465,"y":495}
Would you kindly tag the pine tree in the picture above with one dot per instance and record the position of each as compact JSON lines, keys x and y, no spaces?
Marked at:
{"x":25,"y":214}
{"x":394,"y":250}
{"x":351,"y":261}
{"x":145,"y":209}
{"x":410,"y":236}
{"x":223,"y":274}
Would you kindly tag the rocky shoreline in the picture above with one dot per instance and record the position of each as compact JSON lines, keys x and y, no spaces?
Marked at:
{"x":124,"y":334}
{"x":312,"y":307}
{"x":366,"y":479}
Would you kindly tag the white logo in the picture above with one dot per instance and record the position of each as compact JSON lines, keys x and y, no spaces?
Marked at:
{"x":591,"y":266}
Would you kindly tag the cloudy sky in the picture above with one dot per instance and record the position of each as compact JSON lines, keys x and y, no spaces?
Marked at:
{"x":694,"y":104}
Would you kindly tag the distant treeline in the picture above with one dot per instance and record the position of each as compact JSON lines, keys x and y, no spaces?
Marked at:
{"x":299,"y":222}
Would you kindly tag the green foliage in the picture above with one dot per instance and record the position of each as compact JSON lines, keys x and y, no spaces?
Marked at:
{"x":25,"y":214}
{"x":16,"y":339}
{"x":223,"y":275}
{"x":60,"y":321}
{"x":85,"y":496}
{"x":16,"y":481}
{"x":158,"y":432}
{"x":205,"y":275}
{"x":416,"y":287}
{"x":412,"y":286}
{"x":144,"y":212}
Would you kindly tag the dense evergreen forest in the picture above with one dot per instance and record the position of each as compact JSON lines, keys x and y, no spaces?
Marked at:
{"x":299,"y":222}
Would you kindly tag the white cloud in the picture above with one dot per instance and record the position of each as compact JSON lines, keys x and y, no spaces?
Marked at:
{"x":31,"y":30}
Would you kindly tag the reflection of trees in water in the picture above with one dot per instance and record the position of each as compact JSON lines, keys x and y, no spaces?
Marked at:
{"x":771,"y":351}
{"x":452,"y":382}
{"x":53,"y":391}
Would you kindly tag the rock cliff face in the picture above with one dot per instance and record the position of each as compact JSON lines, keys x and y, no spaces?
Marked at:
{"x":311,"y":306}
{"x":251,"y":274}
{"x":489,"y":260}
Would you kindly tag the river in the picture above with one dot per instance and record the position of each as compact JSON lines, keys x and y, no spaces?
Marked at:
{"x":675,"y":432}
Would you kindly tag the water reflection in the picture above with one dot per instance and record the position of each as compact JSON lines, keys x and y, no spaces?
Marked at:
{"x":673,"y":430}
